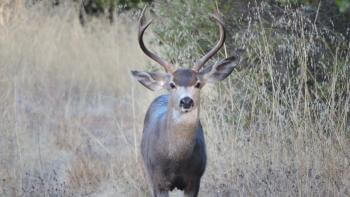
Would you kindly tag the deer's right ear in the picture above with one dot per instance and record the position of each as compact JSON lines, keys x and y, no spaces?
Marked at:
{"x":151,"y":80}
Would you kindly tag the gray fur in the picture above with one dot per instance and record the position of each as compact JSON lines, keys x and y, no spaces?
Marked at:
{"x":168,"y":172}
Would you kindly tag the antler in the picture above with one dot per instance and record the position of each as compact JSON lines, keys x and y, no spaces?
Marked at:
{"x":214,"y":50}
{"x":142,"y":27}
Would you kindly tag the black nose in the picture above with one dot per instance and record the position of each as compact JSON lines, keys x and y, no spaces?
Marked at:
{"x":186,"y":102}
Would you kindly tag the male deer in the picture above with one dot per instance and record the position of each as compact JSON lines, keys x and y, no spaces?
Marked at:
{"x":173,"y":146}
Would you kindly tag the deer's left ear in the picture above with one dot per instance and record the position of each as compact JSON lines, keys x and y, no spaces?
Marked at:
{"x":220,"y":70}
{"x":151,"y":80}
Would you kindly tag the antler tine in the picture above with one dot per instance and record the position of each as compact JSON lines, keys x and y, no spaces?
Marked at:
{"x":142,"y":27}
{"x":214,"y":50}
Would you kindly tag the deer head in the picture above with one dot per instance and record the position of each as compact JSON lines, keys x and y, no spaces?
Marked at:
{"x":184,"y":84}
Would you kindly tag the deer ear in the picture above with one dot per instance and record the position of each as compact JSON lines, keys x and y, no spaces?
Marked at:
{"x":220,"y":70}
{"x":151,"y":80}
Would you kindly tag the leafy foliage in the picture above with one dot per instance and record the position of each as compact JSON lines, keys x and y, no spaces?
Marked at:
{"x":185,"y":30}
{"x":343,"y":5}
{"x":274,"y":40}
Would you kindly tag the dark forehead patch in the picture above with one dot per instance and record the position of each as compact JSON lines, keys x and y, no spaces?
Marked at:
{"x":185,"y":77}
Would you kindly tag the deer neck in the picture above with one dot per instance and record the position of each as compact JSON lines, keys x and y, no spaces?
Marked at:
{"x":182,"y":131}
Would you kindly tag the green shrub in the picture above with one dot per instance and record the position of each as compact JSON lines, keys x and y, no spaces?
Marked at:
{"x":343,"y":5}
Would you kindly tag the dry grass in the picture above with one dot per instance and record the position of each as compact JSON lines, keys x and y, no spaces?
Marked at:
{"x":279,"y":131}
{"x":71,"y":118}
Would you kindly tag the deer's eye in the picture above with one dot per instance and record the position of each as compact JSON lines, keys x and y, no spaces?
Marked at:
{"x":198,"y":85}
{"x":172,"y":85}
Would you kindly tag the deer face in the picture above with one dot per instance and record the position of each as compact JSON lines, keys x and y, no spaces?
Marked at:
{"x":184,"y":85}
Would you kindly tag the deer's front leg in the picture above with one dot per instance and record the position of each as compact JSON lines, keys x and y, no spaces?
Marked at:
{"x":192,"y":189}
{"x":160,"y":193}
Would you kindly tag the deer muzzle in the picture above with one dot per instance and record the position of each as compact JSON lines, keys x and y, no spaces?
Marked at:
{"x":186,"y":104}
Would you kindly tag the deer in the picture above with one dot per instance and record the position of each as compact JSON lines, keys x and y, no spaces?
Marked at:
{"x":173,"y":147}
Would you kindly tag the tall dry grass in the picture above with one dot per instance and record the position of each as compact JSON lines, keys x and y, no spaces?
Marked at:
{"x":280,"y":126}
{"x":71,"y":116}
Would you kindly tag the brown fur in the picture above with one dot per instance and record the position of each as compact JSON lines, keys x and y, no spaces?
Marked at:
{"x":185,"y":77}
